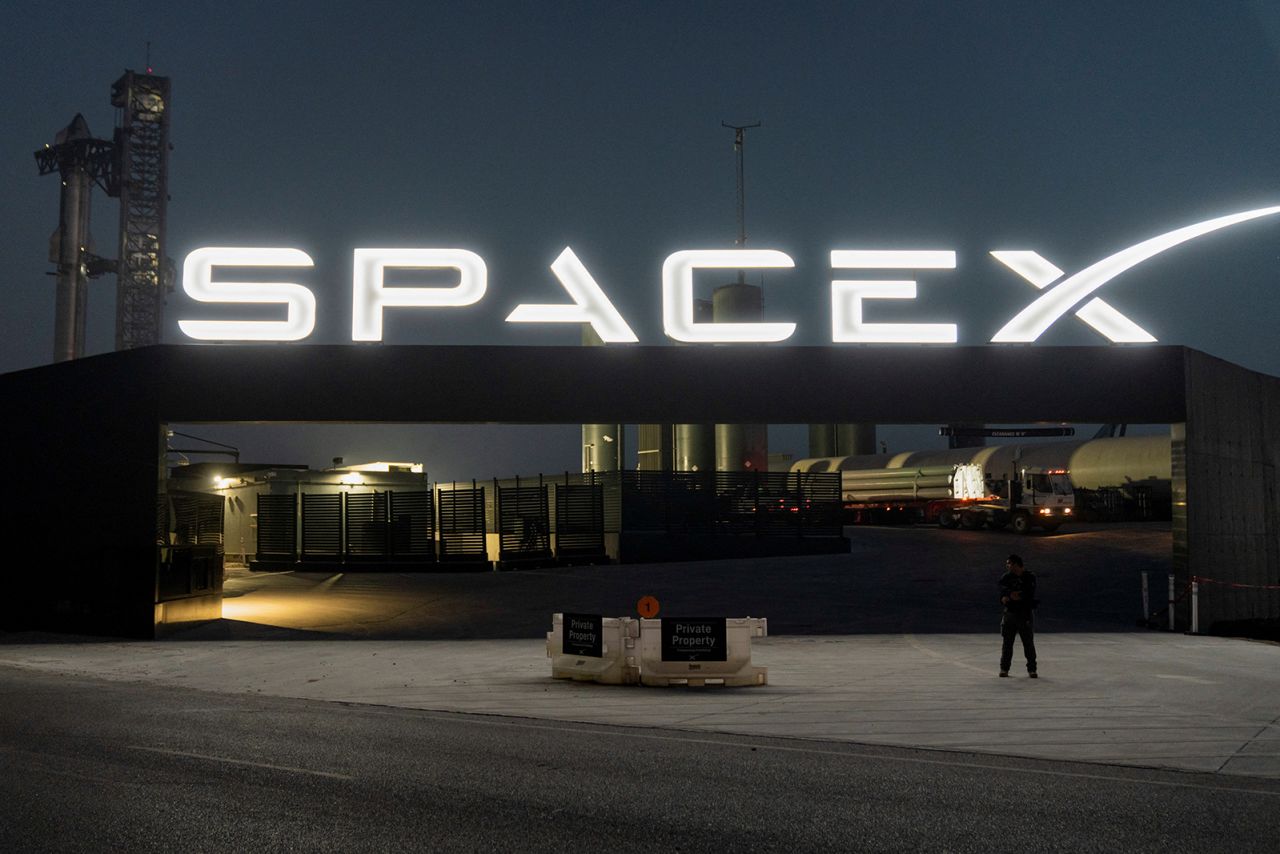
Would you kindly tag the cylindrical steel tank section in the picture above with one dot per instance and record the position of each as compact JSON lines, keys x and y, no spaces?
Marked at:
{"x":841,"y":440}
{"x":739,"y":447}
{"x":655,"y":451}
{"x":67,"y":248}
{"x":694,"y":445}
{"x":742,"y":447}
{"x":602,"y":445}
{"x":1092,"y":464}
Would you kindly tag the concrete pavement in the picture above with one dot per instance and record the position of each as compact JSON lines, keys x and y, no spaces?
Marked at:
{"x":895,"y":643}
{"x":1150,"y":699}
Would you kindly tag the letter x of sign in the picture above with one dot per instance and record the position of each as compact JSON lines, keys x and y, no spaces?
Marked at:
{"x":1033,"y":320}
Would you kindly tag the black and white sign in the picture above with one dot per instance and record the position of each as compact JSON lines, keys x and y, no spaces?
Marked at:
{"x":693,"y":640}
{"x":583,"y":635}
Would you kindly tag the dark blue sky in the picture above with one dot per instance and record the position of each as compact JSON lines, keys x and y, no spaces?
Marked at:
{"x":514,"y":129}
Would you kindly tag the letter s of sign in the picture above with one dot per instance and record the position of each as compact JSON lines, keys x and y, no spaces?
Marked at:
{"x":1032,"y":321}
{"x":197,"y":281}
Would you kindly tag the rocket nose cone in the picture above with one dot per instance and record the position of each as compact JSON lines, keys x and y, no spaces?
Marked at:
{"x":77,"y":129}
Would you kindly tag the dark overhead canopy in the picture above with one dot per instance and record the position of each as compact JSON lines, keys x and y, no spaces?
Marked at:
{"x":619,"y":384}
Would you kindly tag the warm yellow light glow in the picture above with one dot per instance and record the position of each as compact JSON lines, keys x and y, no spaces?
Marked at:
{"x":381,"y":466}
{"x":352,"y":479}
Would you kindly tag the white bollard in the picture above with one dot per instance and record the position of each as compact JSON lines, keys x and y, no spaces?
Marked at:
{"x":699,"y":652}
{"x":1195,"y":606}
{"x":591,"y":648}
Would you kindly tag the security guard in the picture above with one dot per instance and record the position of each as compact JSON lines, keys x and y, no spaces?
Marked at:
{"x":1018,"y":596}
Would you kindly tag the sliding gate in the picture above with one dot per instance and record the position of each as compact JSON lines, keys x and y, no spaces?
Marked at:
{"x":385,"y":531}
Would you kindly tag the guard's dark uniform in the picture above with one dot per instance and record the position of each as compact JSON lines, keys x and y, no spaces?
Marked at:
{"x":1018,"y":620}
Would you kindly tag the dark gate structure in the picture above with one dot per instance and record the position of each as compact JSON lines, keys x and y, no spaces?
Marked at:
{"x":94,"y":567}
{"x":347,"y":531}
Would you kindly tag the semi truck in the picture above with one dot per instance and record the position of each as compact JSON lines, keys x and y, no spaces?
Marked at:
{"x":959,"y":496}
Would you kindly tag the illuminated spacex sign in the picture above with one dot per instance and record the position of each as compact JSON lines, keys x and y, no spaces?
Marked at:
{"x":589,"y":304}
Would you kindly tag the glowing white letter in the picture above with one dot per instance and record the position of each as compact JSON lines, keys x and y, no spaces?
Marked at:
{"x":677,"y":296}
{"x":369,"y":296}
{"x":197,"y":281}
{"x":847,"y":297}
{"x":590,"y":304}
{"x":1030,"y":323}
{"x":1099,"y":314}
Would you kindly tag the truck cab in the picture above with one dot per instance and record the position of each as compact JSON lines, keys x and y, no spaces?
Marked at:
{"x":1039,"y":498}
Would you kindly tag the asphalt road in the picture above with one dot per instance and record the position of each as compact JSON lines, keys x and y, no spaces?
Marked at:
{"x":894,"y":580}
{"x":90,"y":765}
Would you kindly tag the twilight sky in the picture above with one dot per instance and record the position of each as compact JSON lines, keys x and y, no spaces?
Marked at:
{"x":514,"y":129}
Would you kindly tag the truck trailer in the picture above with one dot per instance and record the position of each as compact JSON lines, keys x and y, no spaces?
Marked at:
{"x":958,"y":496}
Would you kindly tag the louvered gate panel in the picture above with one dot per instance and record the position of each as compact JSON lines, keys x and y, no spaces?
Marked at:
{"x":523,"y":523}
{"x":321,"y":527}
{"x":412,"y":526}
{"x":277,"y":527}
{"x":367,"y":525}
{"x":462,"y":532}
{"x":579,"y":521}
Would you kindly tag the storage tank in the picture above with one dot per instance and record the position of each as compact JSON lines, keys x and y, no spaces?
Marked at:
{"x":1092,"y":464}
{"x":739,"y":447}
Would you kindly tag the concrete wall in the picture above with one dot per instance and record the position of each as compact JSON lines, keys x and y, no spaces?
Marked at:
{"x":1231,"y":532}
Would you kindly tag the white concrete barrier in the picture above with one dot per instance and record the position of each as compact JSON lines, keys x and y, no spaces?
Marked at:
{"x":591,"y":648}
{"x":697,"y":652}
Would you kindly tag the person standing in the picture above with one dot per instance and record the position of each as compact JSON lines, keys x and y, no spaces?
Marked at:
{"x":1018,"y":596}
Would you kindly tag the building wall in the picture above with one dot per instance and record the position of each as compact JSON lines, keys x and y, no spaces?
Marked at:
{"x":1232,"y":512}
{"x":80,"y":527}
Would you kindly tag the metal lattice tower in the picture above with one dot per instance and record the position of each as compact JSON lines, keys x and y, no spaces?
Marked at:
{"x":144,"y":273}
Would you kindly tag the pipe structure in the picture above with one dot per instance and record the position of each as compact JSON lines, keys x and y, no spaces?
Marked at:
{"x":739,"y":447}
{"x":602,"y":444}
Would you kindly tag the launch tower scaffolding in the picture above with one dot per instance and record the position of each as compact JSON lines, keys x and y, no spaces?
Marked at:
{"x":144,"y":274}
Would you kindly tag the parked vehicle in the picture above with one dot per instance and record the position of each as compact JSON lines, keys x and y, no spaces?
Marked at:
{"x":958,"y":496}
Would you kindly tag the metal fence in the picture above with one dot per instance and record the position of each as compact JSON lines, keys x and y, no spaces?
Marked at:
{"x":523,"y":521}
{"x":191,"y":534}
{"x":462,"y":524}
{"x":570,"y":518}
{"x":732,"y":504}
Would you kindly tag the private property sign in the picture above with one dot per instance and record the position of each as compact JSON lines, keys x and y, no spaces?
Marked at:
{"x":583,"y":635}
{"x":371,"y":297}
{"x":693,"y":639}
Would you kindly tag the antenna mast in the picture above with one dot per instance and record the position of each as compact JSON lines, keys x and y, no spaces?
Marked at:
{"x":739,"y":140}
